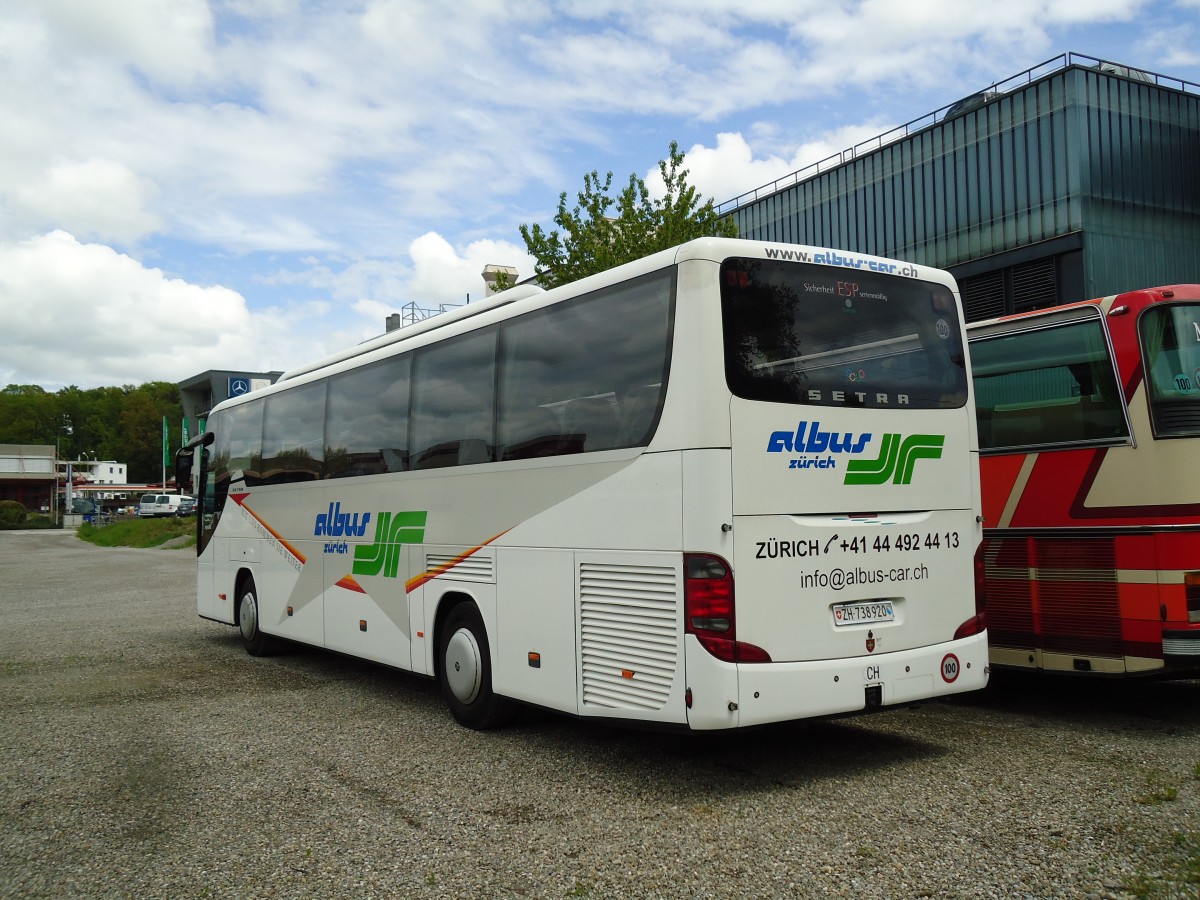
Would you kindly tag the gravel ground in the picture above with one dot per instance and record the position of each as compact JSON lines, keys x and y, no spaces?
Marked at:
{"x":144,"y":754}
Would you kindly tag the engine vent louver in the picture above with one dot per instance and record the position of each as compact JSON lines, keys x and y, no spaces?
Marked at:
{"x":629,"y":635}
{"x":476,"y":568}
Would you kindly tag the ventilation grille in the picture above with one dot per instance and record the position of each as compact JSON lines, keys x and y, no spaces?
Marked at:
{"x":1009,"y":594}
{"x":1180,"y":417}
{"x":1035,"y":285}
{"x":628,"y":635}
{"x":1053,"y":594}
{"x":983,"y":296}
{"x":475,"y":568}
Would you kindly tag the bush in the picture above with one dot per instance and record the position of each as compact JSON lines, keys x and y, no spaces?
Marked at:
{"x":12,"y":514}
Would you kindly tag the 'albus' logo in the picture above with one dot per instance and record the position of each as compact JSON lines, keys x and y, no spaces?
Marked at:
{"x":336,"y":523}
{"x":897,"y":457}
{"x":818,"y":441}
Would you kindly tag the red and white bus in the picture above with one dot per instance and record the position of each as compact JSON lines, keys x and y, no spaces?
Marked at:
{"x":1089,"y":435}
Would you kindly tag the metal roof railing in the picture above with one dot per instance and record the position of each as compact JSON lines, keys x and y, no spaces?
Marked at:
{"x":1019,"y":80}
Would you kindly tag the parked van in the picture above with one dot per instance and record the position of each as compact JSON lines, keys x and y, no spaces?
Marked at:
{"x":157,"y":505}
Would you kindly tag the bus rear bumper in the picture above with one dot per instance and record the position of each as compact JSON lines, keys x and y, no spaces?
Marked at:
{"x":1181,"y":648}
{"x":781,"y":692}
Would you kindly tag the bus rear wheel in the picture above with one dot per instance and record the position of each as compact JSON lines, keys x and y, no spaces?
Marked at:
{"x":465,"y":671}
{"x":253,"y":639}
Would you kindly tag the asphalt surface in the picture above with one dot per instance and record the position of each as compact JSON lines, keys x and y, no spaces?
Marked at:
{"x":144,"y":754}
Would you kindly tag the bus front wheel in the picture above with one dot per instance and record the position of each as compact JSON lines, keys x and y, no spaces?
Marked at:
{"x":253,"y":639}
{"x":465,"y":671}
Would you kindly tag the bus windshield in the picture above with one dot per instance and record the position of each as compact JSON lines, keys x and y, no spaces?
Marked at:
{"x":809,"y":334}
{"x":1171,"y":345}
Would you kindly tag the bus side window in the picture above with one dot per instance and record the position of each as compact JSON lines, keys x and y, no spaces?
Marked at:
{"x":594,"y":421}
{"x":294,"y":435}
{"x":534,"y":433}
{"x":638,"y":408}
{"x":453,"y":401}
{"x":366,"y":424}
{"x":438,"y":456}
{"x":983,"y":418}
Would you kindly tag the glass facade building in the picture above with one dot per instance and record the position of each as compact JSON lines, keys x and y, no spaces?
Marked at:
{"x":1073,"y":180}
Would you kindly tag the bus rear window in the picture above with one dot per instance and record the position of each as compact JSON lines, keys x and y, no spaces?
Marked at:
{"x":796,"y":333}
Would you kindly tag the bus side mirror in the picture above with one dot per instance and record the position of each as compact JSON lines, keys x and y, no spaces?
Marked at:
{"x":184,"y":462}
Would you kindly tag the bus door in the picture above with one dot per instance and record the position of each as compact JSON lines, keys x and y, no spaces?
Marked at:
{"x":194,"y":474}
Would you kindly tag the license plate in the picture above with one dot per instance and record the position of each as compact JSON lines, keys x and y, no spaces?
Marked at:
{"x":864,"y":613}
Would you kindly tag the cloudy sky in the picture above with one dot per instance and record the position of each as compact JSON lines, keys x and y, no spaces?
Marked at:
{"x":251,"y":184}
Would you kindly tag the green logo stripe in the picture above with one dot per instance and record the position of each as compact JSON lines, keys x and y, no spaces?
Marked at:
{"x":917,"y":446}
{"x":874,"y":471}
{"x":896,"y":460}
{"x":391,"y":530}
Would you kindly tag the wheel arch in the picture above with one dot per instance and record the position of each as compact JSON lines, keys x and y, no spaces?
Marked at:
{"x":240,"y":578}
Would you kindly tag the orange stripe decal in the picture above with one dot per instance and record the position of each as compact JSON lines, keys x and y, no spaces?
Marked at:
{"x":351,"y":585}
{"x":413,"y":583}
{"x":240,"y":500}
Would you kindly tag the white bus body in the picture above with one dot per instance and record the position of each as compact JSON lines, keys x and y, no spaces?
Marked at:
{"x":729,"y":484}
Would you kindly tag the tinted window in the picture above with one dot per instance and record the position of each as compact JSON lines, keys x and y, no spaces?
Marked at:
{"x":1171,"y":347}
{"x":452,"y":399}
{"x":237,"y":450}
{"x":1048,"y":386}
{"x":367,"y":423}
{"x":294,"y":435}
{"x":796,"y":333}
{"x":586,"y":374}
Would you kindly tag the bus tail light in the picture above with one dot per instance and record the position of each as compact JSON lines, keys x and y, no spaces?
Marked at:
{"x":709,"y":609}
{"x":977,"y":624}
{"x":1191,"y":589}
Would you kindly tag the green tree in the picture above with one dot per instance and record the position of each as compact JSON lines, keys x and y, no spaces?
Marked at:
{"x":121,"y":423}
{"x":28,"y":415}
{"x":139,"y":428}
{"x":603,"y":230}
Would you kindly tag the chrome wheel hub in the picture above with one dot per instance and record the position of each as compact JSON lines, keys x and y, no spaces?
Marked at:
{"x":463,"y":665}
{"x":248,"y":616}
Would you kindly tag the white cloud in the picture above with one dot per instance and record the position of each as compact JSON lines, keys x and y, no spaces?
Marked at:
{"x":95,"y":198}
{"x":167,"y":41}
{"x":731,"y":168}
{"x":84,"y":314}
{"x":384,"y":140}
{"x":443,"y":274}
{"x":1176,"y":55}
{"x":267,"y":232}
{"x":434,"y":273}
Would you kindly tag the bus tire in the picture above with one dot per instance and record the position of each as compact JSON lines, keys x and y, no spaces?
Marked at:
{"x":253,"y":639}
{"x":465,"y":671}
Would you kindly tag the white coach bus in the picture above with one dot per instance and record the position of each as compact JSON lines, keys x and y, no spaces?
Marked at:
{"x":728,"y":484}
